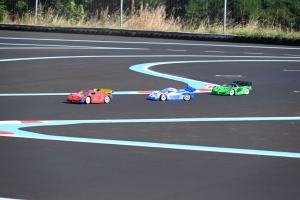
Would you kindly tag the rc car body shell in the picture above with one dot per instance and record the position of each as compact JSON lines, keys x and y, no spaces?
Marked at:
{"x":96,"y":96}
{"x":235,"y":88}
{"x":173,"y":94}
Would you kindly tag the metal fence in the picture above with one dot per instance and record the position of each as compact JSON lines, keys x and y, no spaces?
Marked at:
{"x":277,"y":13}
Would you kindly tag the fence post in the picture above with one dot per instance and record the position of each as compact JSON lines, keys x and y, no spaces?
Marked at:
{"x":36,"y":8}
{"x":224,"y":25}
{"x":121,"y":12}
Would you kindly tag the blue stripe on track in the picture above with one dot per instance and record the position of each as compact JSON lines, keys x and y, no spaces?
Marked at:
{"x":144,"y":68}
{"x":14,"y":127}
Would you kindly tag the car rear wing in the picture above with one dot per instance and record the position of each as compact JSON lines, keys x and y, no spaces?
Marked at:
{"x":189,"y":88}
{"x":105,"y":90}
{"x":243,"y":83}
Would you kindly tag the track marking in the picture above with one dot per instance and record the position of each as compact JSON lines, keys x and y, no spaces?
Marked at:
{"x":229,"y":75}
{"x":14,"y":127}
{"x":49,"y":48}
{"x":175,"y":50}
{"x":291,"y":70}
{"x":290,"y":55}
{"x":214,"y":51}
{"x":164,"y":43}
{"x":159,"y":56}
{"x":253,"y":53}
{"x":68,"y":46}
{"x":144,"y":68}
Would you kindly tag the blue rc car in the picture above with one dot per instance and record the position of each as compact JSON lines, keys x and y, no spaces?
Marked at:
{"x":173,"y":94}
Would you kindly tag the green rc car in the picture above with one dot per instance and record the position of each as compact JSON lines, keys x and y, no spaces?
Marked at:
{"x":235,"y":88}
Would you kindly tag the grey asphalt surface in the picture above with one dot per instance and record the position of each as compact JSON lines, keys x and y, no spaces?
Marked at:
{"x":42,"y":169}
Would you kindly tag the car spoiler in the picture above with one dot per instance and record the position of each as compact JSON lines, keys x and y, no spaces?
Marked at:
{"x":243,"y":83}
{"x":105,"y":90}
{"x":189,"y":88}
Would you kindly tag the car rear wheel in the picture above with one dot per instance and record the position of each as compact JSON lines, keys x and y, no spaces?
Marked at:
{"x":187,"y":97}
{"x":247,"y":91}
{"x":106,"y":99}
{"x":163,"y":97}
{"x":88,"y":100}
{"x":231,"y":93}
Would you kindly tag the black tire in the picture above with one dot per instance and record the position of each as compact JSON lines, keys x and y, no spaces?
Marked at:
{"x":187,"y":97}
{"x":88,"y":100}
{"x":163,"y":97}
{"x":106,"y":99}
{"x":247,"y":91}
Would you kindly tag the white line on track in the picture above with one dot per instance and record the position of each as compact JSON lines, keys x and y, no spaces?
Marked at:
{"x":175,"y":50}
{"x":214,"y":51}
{"x":253,"y":53}
{"x":291,"y":70}
{"x":126,"y":42}
{"x":290,"y":55}
{"x":24,"y":48}
{"x":68,"y":46}
{"x":229,"y":75}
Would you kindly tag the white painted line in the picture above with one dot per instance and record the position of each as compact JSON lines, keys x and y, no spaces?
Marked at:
{"x":165,"y":43}
{"x":296,"y":91}
{"x":10,"y":122}
{"x":291,"y":70}
{"x":253,"y":53}
{"x":214,"y":51}
{"x":68,"y":46}
{"x":290,"y":55}
{"x":229,"y":75}
{"x":175,"y":50}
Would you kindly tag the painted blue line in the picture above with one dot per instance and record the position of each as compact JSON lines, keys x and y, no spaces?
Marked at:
{"x":144,"y":68}
{"x":15,"y":128}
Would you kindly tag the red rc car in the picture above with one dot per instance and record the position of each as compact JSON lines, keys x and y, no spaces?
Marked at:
{"x":98,"y":95}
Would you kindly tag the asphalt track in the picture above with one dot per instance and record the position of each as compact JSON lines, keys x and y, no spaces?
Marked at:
{"x":214,"y":147}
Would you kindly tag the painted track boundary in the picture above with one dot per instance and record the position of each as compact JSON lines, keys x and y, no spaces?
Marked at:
{"x":13,"y":129}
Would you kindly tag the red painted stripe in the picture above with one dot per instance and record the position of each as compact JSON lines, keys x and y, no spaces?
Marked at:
{"x":6,"y":133}
{"x":144,"y":92}
{"x":204,"y":90}
{"x":30,"y":121}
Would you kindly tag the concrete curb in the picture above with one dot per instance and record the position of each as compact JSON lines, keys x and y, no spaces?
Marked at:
{"x":154,"y":34}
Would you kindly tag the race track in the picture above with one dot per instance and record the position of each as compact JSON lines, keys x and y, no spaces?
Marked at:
{"x":213,"y":147}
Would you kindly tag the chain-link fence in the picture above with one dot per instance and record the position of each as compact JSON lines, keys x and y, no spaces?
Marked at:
{"x":278,"y":13}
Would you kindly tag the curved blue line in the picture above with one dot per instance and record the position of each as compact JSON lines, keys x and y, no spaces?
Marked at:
{"x":15,"y":128}
{"x":143,"y":68}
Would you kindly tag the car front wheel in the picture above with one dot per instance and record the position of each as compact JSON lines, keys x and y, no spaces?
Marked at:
{"x":247,"y":91}
{"x":187,"y":97}
{"x":88,"y":100}
{"x":231,"y":93}
{"x":106,"y":99}
{"x":163,"y":97}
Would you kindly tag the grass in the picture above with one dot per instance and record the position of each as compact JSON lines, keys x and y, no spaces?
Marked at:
{"x":152,"y":20}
